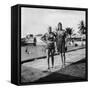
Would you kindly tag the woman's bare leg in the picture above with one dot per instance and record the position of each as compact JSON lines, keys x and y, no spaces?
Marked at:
{"x":52,"y":57}
{"x":48,"y":62}
{"x":62,"y":60}
{"x":48,"y":57}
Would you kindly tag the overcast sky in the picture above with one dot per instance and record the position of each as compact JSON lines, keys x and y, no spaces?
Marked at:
{"x":35,"y":20}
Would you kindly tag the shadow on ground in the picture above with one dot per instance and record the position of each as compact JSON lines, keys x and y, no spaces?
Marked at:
{"x":74,"y":72}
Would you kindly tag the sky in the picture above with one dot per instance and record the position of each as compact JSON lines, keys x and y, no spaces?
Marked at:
{"x":37,"y":20}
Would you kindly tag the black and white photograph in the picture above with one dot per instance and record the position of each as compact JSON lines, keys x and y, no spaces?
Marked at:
{"x":53,"y":45}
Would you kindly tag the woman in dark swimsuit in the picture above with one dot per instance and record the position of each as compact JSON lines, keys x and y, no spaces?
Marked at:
{"x":60,"y":42}
{"x":50,"y":39}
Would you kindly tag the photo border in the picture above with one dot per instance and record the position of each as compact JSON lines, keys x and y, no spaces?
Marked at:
{"x":19,"y":38}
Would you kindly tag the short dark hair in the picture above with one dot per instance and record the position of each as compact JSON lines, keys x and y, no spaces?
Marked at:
{"x":50,"y":27}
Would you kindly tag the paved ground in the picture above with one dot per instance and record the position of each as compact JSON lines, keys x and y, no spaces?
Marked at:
{"x":37,"y":69}
{"x":71,"y":57}
{"x":71,"y":73}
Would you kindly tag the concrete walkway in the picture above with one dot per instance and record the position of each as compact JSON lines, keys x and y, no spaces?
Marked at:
{"x":71,"y":57}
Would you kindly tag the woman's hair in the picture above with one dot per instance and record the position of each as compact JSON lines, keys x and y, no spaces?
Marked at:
{"x":59,"y":24}
{"x":49,"y":27}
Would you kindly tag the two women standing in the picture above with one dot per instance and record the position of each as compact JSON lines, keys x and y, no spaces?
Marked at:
{"x":50,"y":39}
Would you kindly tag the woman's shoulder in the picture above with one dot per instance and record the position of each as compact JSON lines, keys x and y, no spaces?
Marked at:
{"x":60,"y":32}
